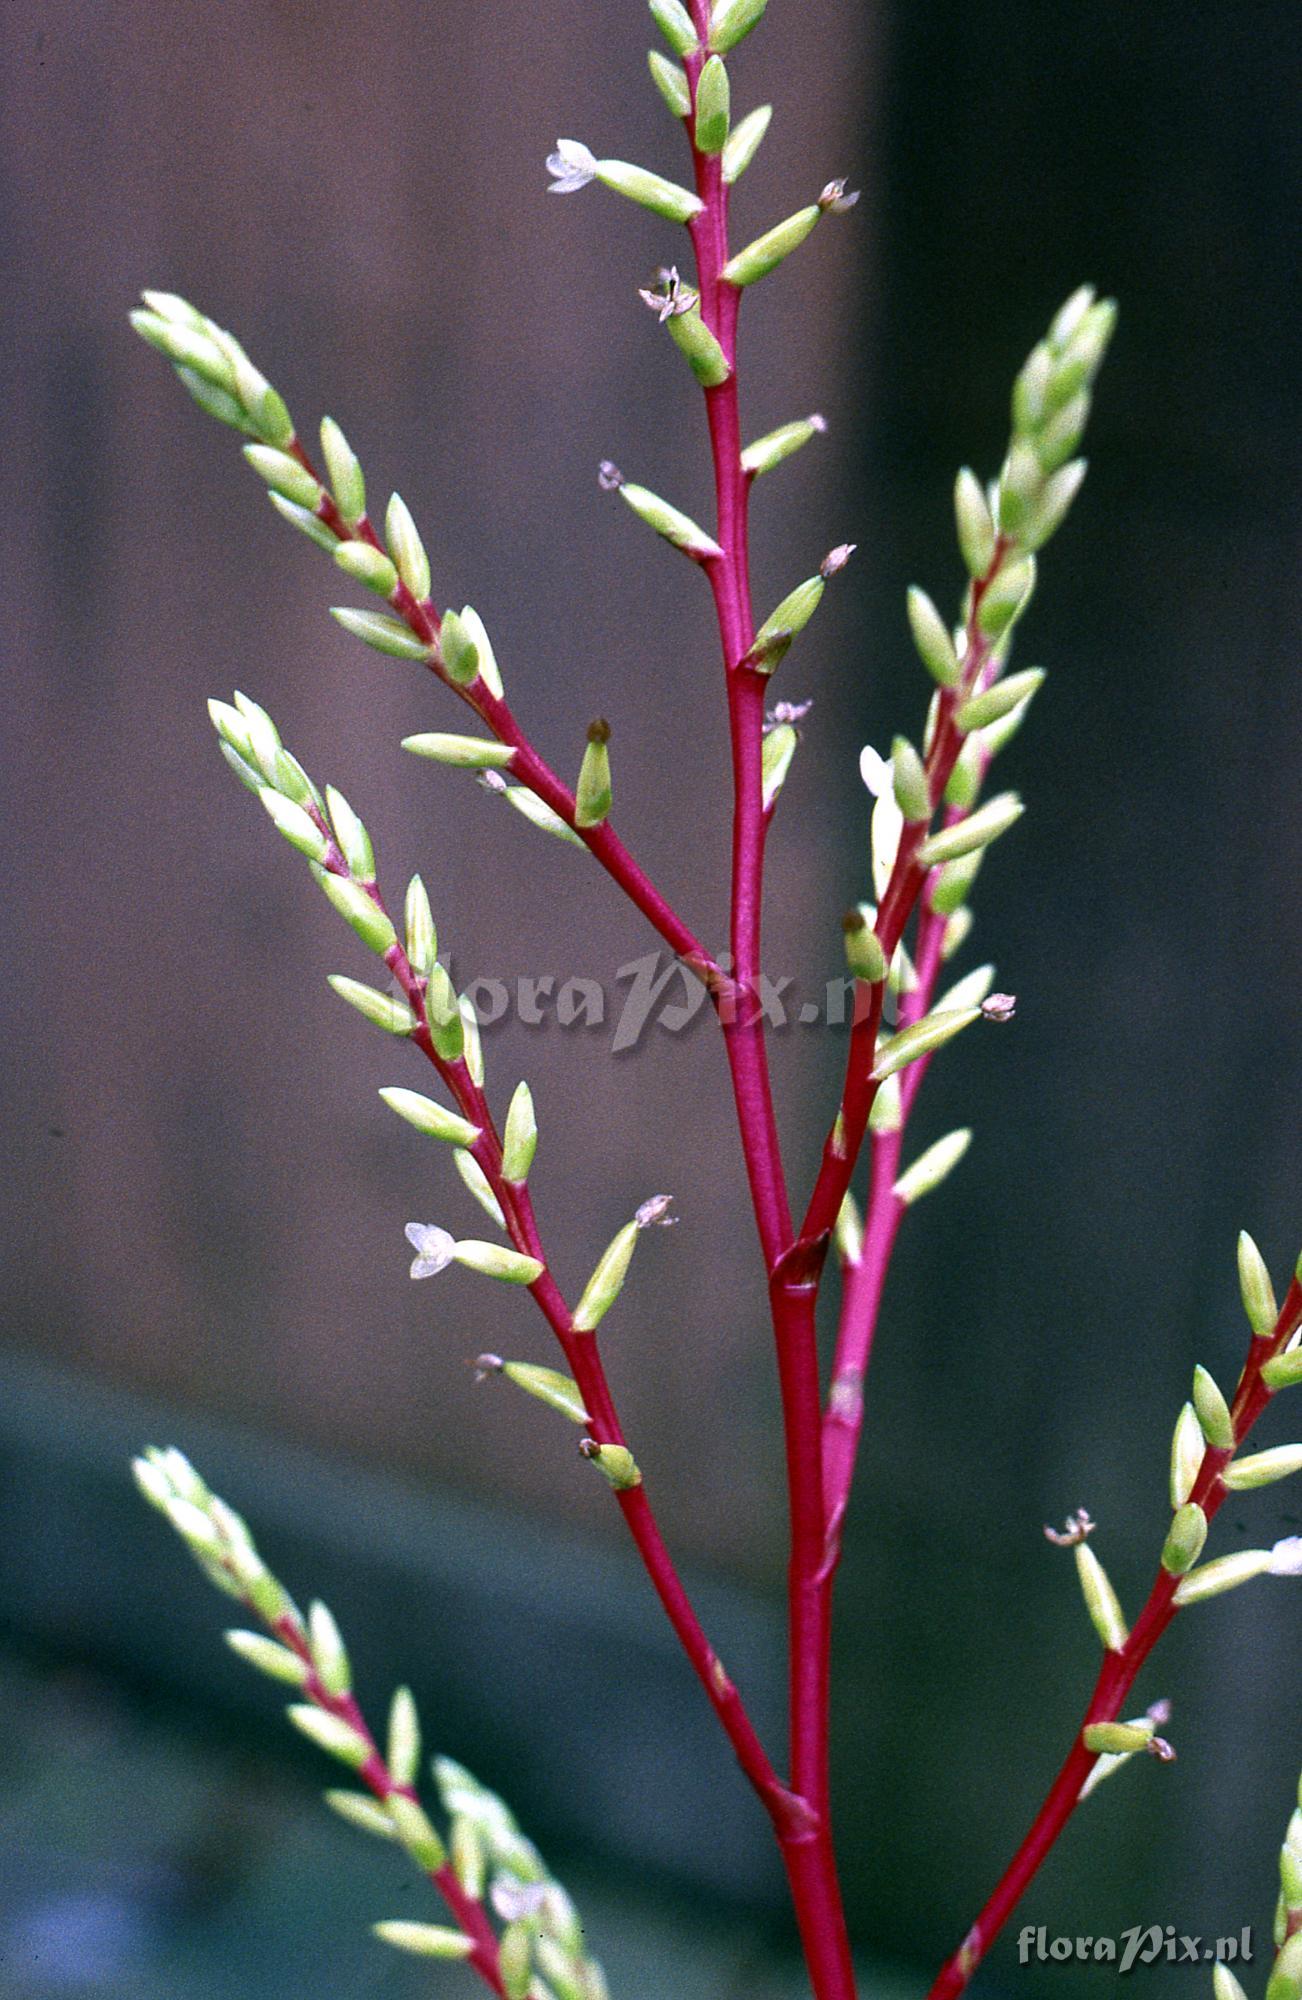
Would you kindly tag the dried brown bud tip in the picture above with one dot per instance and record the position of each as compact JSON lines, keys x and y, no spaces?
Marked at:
{"x":1074,"y":1529}
{"x":852,"y":923}
{"x":609,"y":476}
{"x":999,"y":1006}
{"x":589,"y":1448}
{"x":599,"y":730}
{"x":836,"y":559}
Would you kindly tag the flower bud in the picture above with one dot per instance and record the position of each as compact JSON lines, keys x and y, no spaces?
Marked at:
{"x":1006,"y":596}
{"x":1213,"y":1411}
{"x":367,"y":566}
{"x":768,"y":251}
{"x":469,"y":753}
{"x":330,"y":1733}
{"x":965,"y":836}
{"x":712,"y":106}
{"x":1187,"y":1449}
{"x":1100,"y":1599}
{"x":384,"y":634}
{"x":428,"y":1117}
{"x":998,"y":700}
{"x":1257,"y":1292}
{"x":648,"y":190}
{"x":1226,"y":1573}
{"x":744,"y":141}
{"x":297,"y":826}
{"x":614,"y":1461}
{"x":732,"y":20}
{"x":356,"y":908}
{"x":926,"y":1035}
{"x":606,"y":1282}
{"x":671,"y":81}
{"x":406,"y":547}
{"x":863,"y":950}
{"x":912,"y":790}
{"x":424,"y":1940}
{"x":774,"y":446}
{"x":693,"y":339}
{"x":493,"y":1260}
{"x":344,"y":468}
{"x":520,"y":1139}
{"x":676,"y":25}
{"x":932,"y":1167}
{"x":1263,"y":1468}
{"x":976,"y":528}
{"x":382,"y":1010}
{"x":932,"y":638}
{"x":284,"y":474}
{"x":1184,"y":1542}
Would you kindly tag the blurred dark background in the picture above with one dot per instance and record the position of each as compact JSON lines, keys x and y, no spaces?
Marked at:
{"x":204,"y":1205}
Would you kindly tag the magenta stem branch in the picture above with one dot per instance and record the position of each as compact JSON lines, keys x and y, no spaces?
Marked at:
{"x":1117,"y":1674}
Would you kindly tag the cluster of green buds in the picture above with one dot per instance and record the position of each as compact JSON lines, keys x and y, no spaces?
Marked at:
{"x":1285,"y":1978}
{"x":540,"y":1949}
{"x":331,"y":511}
{"x":541,"y":1953}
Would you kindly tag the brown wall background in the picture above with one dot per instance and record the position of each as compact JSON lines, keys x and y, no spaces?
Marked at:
{"x":360,"y":194}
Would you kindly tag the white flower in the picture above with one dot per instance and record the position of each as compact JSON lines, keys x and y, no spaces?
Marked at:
{"x":433,"y":1247}
{"x":571,"y":166}
{"x":878,"y":773}
{"x":1286,"y":1557}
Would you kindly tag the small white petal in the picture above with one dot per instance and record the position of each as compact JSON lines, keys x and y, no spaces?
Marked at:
{"x":571,"y":166}
{"x":433,"y":1247}
{"x":1286,"y":1557}
{"x":887,"y":826}
{"x":875,"y":771}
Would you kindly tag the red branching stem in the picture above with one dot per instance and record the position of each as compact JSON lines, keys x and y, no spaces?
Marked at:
{"x":422,"y":617}
{"x":1117,"y":1674}
{"x":807,"y":1853}
{"x":471,"y":1918}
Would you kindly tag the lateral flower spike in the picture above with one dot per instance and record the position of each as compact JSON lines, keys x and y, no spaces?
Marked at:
{"x":429,"y":1117}
{"x":744,"y":141}
{"x":559,"y":1392}
{"x":1257,"y":1291}
{"x":592,"y":794}
{"x":713,"y":106}
{"x":606,"y":1282}
{"x":382,"y":633}
{"x":356,"y":908}
{"x":329,"y":1654}
{"x":1187,"y":1448}
{"x":732,"y":20}
{"x":775,"y":446}
{"x":494,"y":1260}
{"x":932,"y":638}
{"x":520,"y":1137}
{"x":675,"y":526}
{"x":1100,"y":1599}
{"x":424,"y":1940}
{"x":966,"y":836}
{"x":467,"y":753}
{"x":573,"y":165}
{"x":925,"y":1036}
{"x":615,"y":1462}
{"x":330,"y":1733}
{"x":407,"y":548}
{"x":932,"y":1167}
{"x":403,"y":1746}
{"x":676,"y":25}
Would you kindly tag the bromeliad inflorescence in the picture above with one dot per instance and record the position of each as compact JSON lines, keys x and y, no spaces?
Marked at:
{"x":931,"y":829}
